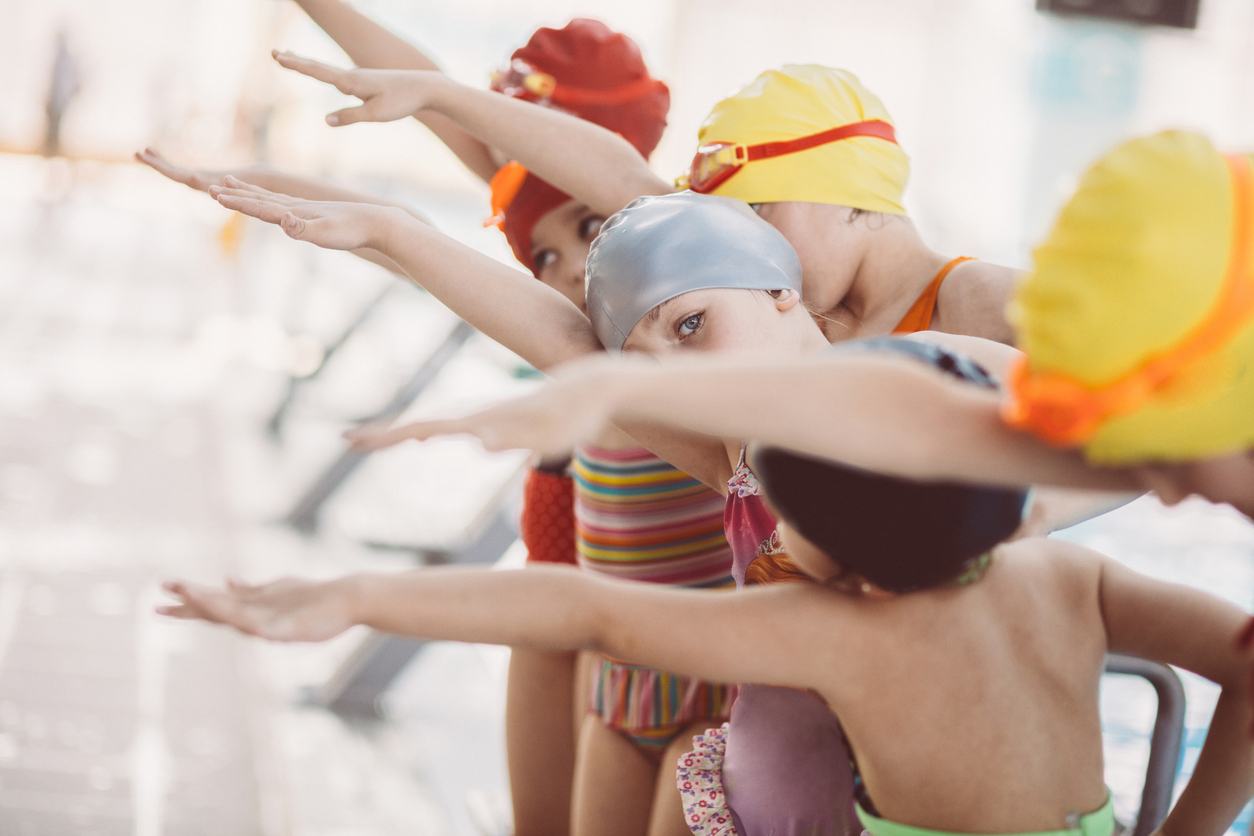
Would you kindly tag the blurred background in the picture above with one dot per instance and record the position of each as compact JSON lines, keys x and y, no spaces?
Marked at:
{"x":174,"y":380}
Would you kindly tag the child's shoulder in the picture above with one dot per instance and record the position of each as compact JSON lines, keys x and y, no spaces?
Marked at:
{"x":1038,"y":559}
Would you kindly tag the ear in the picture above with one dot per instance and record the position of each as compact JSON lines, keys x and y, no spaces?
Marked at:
{"x":787,"y":300}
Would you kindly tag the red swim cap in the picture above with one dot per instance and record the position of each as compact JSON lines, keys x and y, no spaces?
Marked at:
{"x":590,"y":71}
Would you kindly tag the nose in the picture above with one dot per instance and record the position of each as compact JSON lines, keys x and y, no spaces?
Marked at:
{"x":1164,"y":483}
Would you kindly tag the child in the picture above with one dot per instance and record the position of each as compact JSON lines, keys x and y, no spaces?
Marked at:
{"x":965,"y":672}
{"x":666,"y":274}
{"x":628,"y":513}
{"x":1145,"y":257}
{"x":809,"y":147}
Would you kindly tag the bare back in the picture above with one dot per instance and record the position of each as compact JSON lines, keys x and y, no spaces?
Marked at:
{"x":997,"y":681}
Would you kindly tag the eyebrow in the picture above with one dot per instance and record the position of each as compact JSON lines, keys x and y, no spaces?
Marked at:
{"x":654,"y":315}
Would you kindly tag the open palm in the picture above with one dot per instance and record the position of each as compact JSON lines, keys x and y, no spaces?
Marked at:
{"x":386,"y":95}
{"x":333,"y":225}
{"x":566,"y":411}
{"x":285,"y":610}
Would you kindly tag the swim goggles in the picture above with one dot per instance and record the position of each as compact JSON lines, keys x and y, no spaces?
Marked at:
{"x":505,"y":185}
{"x":1064,"y":412}
{"x":716,"y":162}
{"x":522,"y":81}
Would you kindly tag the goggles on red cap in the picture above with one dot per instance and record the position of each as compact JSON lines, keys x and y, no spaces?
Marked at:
{"x":716,"y":162}
{"x":522,"y":81}
{"x":505,"y":185}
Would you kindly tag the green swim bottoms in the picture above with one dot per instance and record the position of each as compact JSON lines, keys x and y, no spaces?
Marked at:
{"x":1098,"y":823}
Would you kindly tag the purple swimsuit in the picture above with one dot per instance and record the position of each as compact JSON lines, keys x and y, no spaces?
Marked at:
{"x":778,"y":768}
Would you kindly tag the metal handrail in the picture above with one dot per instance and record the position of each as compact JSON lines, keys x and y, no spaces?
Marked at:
{"x":1166,"y":740}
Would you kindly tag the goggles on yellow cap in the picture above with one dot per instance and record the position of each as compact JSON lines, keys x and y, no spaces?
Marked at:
{"x":716,"y":162}
{"x":1065,"y":412}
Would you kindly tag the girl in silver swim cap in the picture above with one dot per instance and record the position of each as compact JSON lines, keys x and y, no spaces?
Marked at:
{"x":671,"y":275}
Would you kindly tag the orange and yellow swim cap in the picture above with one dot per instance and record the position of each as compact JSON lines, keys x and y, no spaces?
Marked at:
{"x":866,"y":171}
{"x":1138,"y":318}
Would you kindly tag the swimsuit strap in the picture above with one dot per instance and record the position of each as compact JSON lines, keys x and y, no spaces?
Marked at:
{"x":919,"y":317}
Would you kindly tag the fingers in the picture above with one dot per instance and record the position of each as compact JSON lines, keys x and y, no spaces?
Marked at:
{"x":311,"y":68}
{"x":231,"y":182}
{"x":253,"y":200}
{"x":261,"y":209}
{"x":185,"y":607}
{"x":235,"y":186}
{"x":162,"y":166}
{"x":349,"y":116}
{"x":296,"y":228}
{"x":375,"y":437}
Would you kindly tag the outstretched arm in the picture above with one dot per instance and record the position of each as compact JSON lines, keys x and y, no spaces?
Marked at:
{"x":526,"y":316}
{"x":309,"y":188}
{"x":591,"y":164}
{"x":530,"y":318}
{"x":1198,"y":632}
{"x":879,"y":413}
{"x":370,"y":45}
{"x":712,"y":635}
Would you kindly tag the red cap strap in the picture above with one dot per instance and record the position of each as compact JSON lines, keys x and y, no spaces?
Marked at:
{"x":629,"y":92}
{"x":877,"y":128}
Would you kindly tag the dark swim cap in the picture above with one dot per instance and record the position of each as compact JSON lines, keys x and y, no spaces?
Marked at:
{"x":899,"y":534}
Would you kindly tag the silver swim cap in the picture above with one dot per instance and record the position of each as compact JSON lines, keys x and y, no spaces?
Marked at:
{"x":657,"y":248}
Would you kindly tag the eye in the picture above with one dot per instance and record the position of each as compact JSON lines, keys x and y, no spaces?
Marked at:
{"x":590,"y":227}
{"x":689,"y":326}
{"x":543,"y":259}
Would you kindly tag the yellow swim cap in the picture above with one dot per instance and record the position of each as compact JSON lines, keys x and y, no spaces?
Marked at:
{"x":864,"y":172}
{"x":1138,"y":319}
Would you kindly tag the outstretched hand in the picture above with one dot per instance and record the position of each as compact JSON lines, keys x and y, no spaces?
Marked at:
{"x":566,"y":411}
{"x":386,"y":95}
{"x":333,"y":225}
{"x":289,"y":610}
{"x":199,"y":180}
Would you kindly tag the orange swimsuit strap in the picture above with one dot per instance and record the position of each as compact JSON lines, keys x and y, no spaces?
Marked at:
{"x":919,"y":317}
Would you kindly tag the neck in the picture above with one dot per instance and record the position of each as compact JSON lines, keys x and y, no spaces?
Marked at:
{"x":896,"y":266}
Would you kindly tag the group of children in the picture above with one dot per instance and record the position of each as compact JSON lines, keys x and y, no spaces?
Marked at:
{"x":839,"y":421}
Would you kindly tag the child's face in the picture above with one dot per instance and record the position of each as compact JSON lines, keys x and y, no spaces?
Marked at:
{"x":1227,"y":479}
{"x":559,"y":248}
{"x":825,"y":239}
{"x":725,"y":319}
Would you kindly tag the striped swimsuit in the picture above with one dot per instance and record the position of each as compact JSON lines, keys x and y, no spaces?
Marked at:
{"x":638,"y":518}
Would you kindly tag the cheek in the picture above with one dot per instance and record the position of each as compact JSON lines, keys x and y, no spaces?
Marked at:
{"x":579,"y":253}
{"x":1230,"y":481}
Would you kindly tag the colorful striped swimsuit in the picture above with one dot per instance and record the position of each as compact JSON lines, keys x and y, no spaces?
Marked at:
{"x":638,"y":518}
